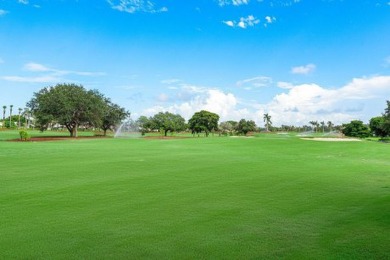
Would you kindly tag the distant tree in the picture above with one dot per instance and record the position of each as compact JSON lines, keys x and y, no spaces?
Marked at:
{"x":26,"y":114}
{"x":314,"y":124}
{"x":330,"y":126}
{"x":356,"y":128}
{"x":245,"y":126}
{"x":267,"y":121}
{"x":20,"y":112}
{"x":386,"y":116}
{"x":377,"y":126}
{"x":323,"y":126}
{"x":113,"y":116}
{"x":144,"y":123}
{"x":168,"y":122}
{"x":10,"y":115}
{"x":228,"y":127}
{"x":68,"y":104}
{"x":4,"y":110}
{"x":203,"y":121}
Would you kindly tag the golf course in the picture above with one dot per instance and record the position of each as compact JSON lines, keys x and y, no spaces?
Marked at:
{"x":268,"y":196}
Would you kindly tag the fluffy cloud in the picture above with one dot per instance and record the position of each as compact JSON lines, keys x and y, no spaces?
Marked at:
{"x":25,"y":2}
{"x":133,"y":6}
{"x":233,"y":2}
{"x":250,"y":21}
{"x":244,"y":22}
{"x":303,"y":69}
{"x":194,"y":98}
{"x":306,"y":102}
{"x":269,"y":19}
{"x":298,"y":105}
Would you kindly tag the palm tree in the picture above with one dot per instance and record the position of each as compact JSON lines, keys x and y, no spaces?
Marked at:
{"x":323,"y":126}
{"x":330,"y":126}
{"x":10,"y":115}
{"x":4,"y":109}
{"x":27,"y":117}
{"x":267,"y":120}
{"x":20,"y":111}
{"x":314,"y":124}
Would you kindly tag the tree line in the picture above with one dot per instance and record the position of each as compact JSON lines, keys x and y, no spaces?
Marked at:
{"x":74,"y":107}
{"x":378,"y":126}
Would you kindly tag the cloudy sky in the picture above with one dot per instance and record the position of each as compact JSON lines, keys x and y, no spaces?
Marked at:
{"x":298,"y":60}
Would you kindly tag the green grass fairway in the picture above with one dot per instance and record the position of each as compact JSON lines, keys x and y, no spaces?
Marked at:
{"x":270,"y":197}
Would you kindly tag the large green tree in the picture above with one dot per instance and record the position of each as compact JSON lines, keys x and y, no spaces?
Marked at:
{"x":245,"y":126}
{"x":356,"y":128}
{"x":203,"y":121}
{"x":113,"y":116}
{"x":168,"y":122}
{"x":377,"y":126}
{"x":68,"y":104}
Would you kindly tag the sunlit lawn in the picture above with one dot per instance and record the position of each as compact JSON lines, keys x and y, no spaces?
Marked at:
{"x":271,"y":196}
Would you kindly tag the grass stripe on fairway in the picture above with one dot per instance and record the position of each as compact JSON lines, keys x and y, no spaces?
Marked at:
{"x":264,"y":197}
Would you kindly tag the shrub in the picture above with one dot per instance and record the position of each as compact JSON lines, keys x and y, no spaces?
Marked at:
{"x":24,"y":136}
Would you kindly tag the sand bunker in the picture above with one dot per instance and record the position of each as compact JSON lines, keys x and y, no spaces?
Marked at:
{"x":333,"y":139}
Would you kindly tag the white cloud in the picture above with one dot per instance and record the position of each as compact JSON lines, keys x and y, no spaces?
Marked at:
{"x":233,"y":2}
{"x":36,"y":67}
{"x":25,"y":2}
{"x":39,"y":79}
{"x":133,"y":6}
{"x":306,"y":102}
{"x":270,"y":19}
{"x":285,"y":85}
{"x":297,"y":106}
{"x":256,"y":82}
{"x":303,"y":69}
{"x":47,"y":74}
{"x":244,"y":22}
{"x":195,"y":98}
{"x":3,"y":12}
{"x":229,"y":23}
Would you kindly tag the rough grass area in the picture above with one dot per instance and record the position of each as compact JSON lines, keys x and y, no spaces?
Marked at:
{"x":270,"y":196}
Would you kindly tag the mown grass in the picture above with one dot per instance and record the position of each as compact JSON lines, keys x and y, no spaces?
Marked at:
{"x":234,"y":198}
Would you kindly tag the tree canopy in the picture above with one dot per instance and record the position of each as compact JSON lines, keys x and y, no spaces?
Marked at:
{"x":166,"y":122}
{"x":113,"y":116}
{"x":203,"y":121}
{"x":356,"y":128}
{"x":245,"y":126}
{"x":386,"y":117}
{"x":228,"y":127}
{"x":68,"y":104}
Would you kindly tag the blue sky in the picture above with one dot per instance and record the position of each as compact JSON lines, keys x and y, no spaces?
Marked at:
{"x":298,"y":60}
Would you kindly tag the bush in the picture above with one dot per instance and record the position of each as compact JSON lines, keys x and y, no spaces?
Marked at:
{"x":24,"y":136}
{"x":356,"y":128}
